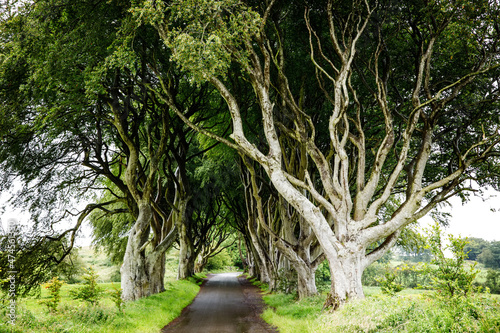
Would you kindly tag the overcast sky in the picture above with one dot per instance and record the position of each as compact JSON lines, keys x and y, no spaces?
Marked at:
{"x":476,"y":218}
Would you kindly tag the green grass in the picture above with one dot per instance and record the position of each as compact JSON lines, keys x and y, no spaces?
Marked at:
{"x":33,"y":304}
{"x":198,"y":278}
{"x":410,"y":311}
{"x":290,"y":315}
{"x":373,"y":291}
{"x":99,"y":261}
{"x":149,"y":314}
{"x":264,"y":287}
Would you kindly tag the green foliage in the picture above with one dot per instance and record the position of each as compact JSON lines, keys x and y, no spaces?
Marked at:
{"x":234,"y":252}
{"x":388,"y":282}
{"x":475,"y":246}
{"x":116,"y":297}
{"x":378,"y":314}
{"x":423,"y":255}
{"x":413,"y":275}
{"x":386,"y":258}
{"x":371,"y":274}
{"x":412,"y":244}
{"x":35,"y":259}
{"x":90,"y":315}
{"x":219,"y":261}
{"x":288,"y":305}
{"x":323,"y":280}
{"x":452,"y":277}
{"x":90,"y":292}
{"x":261,"y":285}
{"x":109,"y":231}
{"x":198,"y":278}
{"x":116,"y":276}
{"x":148,"y":315}
{"x":490,"y":255}
{"x":71,"y":267}
{"x":408,"y":275}
{"x":493,"y":281}
{"x":202,"y":35}
{"x":54,"y":287}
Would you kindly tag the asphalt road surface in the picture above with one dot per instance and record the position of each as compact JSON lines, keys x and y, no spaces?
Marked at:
{"x":225,"y":303}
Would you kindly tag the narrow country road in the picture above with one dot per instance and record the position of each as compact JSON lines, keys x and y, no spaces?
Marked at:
{"x":225,"y":304}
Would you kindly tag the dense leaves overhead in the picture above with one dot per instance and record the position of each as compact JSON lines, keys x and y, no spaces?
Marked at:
{"x":352,"y":119}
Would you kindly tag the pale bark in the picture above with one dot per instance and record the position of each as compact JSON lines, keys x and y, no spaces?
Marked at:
{"x":344,"y":215}
{"x":187,"y":254}
{"x":253,"y":269}
{"x":142,"y":273}
{"x":153,"y":233}
{"x":306,"y":280}
{"x":263,"y":263}
{"x":346,"y":280}
{"x":200,"y":264}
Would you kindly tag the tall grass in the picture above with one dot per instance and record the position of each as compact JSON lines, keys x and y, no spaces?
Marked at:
{"x":149,"y":314}
{"x":379,"y":313}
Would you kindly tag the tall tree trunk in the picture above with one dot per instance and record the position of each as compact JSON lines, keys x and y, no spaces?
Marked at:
{"x":306,"y":282}
{"x":200,"y":264}
{"x":141,"y":274}
{"x":306,"y":270}
{"x":253,"y":269}
{"x":187,"y":255}
{"x":346,"y":275}
{"x":261,"y":259}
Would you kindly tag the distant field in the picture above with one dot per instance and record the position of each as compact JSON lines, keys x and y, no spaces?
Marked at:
{"x":100,"y":262}
{"x":106,"y":269}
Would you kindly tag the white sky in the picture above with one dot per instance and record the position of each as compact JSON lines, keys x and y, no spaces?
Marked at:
{"x":23,"y":217}
{"x":475,"y":218}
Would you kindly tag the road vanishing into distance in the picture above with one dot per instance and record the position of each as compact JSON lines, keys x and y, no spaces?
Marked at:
{"x":226,"y":303}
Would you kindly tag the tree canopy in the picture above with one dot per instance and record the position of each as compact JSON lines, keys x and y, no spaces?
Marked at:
{"x":347,"y":120}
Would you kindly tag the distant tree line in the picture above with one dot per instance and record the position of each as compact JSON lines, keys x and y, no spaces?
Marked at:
{"x":478,"y":249}
{"x":484,"y":252}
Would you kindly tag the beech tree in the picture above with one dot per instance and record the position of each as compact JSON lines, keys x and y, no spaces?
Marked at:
{"x":281,"y":238}
{"x":409,"y":107}
{"x":80,"y":114}
{"x":71,"y":107}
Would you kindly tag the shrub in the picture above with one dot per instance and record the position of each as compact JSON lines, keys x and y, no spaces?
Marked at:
{"x":54,"y":287}
{"x":408,"y":275}
{"x":219,"y":261}
{"x":116,"y":276}
{"x":493,"y":281}
{"x":71,"y":268}
{"x":90,"y":292}
{"x":237,"y":253}
{"x":371,"y":274}
{"x":323,"y":279}
{"x":116,"y":297}
{"x":412,"y":275}
{"x":388,"y":282}
{"x":452,"y":277}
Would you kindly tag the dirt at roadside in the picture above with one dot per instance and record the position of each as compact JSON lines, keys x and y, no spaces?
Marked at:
{"x":253,"y":298}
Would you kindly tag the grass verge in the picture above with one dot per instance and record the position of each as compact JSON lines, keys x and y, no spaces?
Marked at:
{"x":408,"y":312}
{"x":146,"y":315}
